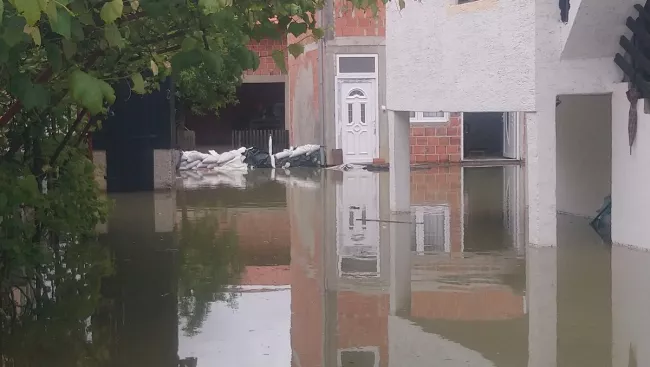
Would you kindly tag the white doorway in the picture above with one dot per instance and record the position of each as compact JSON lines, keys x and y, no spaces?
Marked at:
{"x":356,"y":108}
{"x":357,"y":211}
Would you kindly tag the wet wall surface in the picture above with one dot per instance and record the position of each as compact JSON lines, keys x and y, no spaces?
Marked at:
{"x":316,"y":271}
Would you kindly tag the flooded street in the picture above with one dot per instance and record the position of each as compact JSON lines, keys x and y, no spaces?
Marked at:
{"x":312,"y":269}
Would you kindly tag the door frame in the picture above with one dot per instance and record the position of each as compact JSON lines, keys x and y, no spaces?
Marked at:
{"x":507,"y":118}
{"x":518,"y":116}
{"x":342,"y":77}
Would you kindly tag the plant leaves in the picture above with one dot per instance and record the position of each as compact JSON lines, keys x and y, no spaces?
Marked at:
{"x":210,"y":6}
{"x":90,"y":92}
{"x":2,"y":11}
{"x":62,"y":23}
{"x":28,"y":9}
{"x":278,"y":58}
{"x":54,"y":56}
{"x":34,"y":32}
{"x":296,"y":49}
{"x":402,"y":4}
{"x":69,"y":49}
{"x":154,"y":68}
{"x":113,"y":36}
{"x":135,"y":4}
{"x":36,"y":97}
{"x":297,"y":29}
{"x":189,"y":43}
{"x":111,"y":11}
{"x":51,"y":11}
{"x":318,"y":33}
{"x":138,"y":83}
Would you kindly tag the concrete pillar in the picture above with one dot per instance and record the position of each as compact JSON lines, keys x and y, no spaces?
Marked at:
{"x":541,"y":293}
{"x":400,"y":263}
{"x":541,"y":173}
{"x":399,"y":129}
{"x":630,"y":174}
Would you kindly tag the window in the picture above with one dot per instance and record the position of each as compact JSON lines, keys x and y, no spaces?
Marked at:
{"x":356,"y":93}
{"x":428,"y":117}
{"x":348,"y":64}
{"x":359,"y":357}
{"x":431,"y":229}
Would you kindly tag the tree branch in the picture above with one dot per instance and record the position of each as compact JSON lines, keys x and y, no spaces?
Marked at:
{"x":68,"y":136}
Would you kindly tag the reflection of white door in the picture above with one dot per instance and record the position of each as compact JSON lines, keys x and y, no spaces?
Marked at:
{"x":513,"y":206}
{"x":357,"y":237}
{"x":357,"y":119}
{"x":431,"y":229}
{"x":511,"y":135}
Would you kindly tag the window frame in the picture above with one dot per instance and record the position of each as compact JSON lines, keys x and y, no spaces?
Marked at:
{"x":374,"y":74}
{"x":419,"y":118}
{"x":418,"y":212}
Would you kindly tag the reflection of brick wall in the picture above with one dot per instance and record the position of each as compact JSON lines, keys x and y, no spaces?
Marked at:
{"x":437,"y":143}
{"x":264,"y":49}
{"x":441,"y":185}
{"x":484,"y":304}
{"x":358,"y":22}
{"x":363,"y":322}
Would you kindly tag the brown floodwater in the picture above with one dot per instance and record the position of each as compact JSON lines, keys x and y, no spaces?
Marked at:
{"x":311,"y":268}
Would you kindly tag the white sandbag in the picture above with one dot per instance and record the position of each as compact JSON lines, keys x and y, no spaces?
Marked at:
{"x":192,"y":165}
{"x":210,"y":160}
{"x":212,"y":165}
{"x":283,"y":154}
{"x":192,"y":155}
{"x":228,"y":156}
{"x":311,"y":148}
{"x":213,"y":153}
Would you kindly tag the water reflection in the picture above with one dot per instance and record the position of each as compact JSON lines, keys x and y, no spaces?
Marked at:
{"x":312,"y":269}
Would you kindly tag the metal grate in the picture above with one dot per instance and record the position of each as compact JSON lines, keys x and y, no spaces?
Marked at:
{"x":260,"y":139}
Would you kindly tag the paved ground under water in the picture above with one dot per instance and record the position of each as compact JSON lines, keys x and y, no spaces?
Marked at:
{"x":311,"y":269}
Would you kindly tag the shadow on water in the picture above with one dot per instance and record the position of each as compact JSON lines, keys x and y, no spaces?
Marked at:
{"x":312,"y":269}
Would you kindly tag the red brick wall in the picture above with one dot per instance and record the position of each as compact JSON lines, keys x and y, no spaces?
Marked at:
{"x":350,"y":22}
{"x":485,"y":304}
{"x":441,"y":185}
{"x":264,"y":49}
{"x":437,"y":144}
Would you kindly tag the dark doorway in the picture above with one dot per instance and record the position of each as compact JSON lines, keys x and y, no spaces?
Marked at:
{"x":483,"y":135}
{"x":261,"y":107}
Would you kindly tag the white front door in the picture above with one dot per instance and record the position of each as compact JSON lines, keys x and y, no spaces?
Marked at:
{"x":357,"y":226}
{"x":511,"y":135}
{"x":357,"y":119}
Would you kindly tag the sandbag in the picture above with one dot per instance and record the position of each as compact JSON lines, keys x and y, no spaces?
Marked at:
{"x":257,"y":158}
{"x":211,"y":160}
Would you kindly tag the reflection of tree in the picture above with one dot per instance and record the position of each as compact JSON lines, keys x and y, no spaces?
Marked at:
{"x":210,"y":260}
{"x":46,"y":311}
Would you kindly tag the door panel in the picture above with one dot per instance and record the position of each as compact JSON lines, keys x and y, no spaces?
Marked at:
{"x":357,"y":120}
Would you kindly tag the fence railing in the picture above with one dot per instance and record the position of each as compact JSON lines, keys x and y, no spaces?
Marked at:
{"x":260,"y":139}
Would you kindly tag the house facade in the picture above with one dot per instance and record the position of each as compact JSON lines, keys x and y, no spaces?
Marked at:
{"x":337,"y":94}
{"x":551,"y":65}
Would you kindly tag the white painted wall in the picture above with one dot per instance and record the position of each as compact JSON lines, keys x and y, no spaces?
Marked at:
{"x":630,"y":174}
{"x":584,"y":153}
{"x":471,"y":57}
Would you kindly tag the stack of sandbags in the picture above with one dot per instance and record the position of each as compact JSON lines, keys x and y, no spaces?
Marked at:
{"x":193,"y":160}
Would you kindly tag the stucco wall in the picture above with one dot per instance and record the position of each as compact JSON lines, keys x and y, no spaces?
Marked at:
{"x":630,"y":174}
{"x":304,"y":105}
{"x":472,"y":57}
{"x":584,"y":153}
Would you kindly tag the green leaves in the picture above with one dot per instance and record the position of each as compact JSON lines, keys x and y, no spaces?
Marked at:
{"x":60,"y":21}
{"x":318,"y":33}
{"x":28,"y":9}
{"x":213,"y":6}
{"x":296,"y":49}
{"x":90,"y":92}
{"x":31,"y":95}
{"x":34,"y":32}
{"x":138,"y":83}
{"x":278,"y":58}
{"x":113,"y":36}
{"x":189,"y":43}
{"x":297,"y":29}
{"x":111,"y":11}
{"x":2,"y":11}
{"x":69,"y":49}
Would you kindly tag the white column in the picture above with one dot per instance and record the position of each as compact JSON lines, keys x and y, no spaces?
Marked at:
{"x":541,"y":297}
{"x":400,"y":263}
{"x":541,"y":173}
{"x":399,"y":130}
{"x":630,"y":174}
